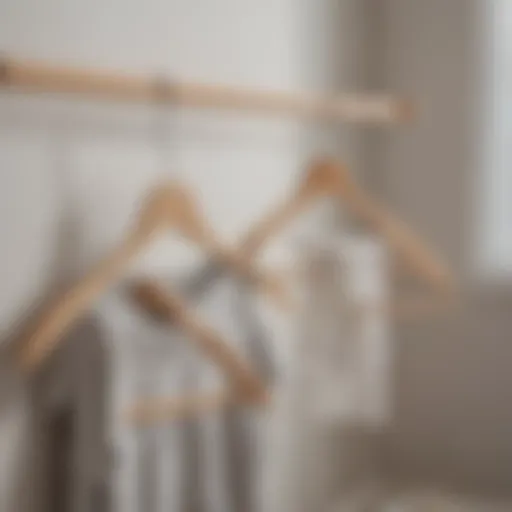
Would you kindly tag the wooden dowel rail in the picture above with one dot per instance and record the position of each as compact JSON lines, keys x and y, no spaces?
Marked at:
{"x":28,"y":76}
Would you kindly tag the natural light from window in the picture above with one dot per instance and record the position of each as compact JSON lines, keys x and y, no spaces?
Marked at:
{"x":495,"y":238}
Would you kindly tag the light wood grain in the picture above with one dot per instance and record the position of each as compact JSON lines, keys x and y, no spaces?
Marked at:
{"x":168,"y":207}
{"x":61,"y":314}
{"x":30,"y":76}
{"x":327,"y":178}
{"x":146,"y":412}
{"x":173,"y":310}
{"x":176,"y":206}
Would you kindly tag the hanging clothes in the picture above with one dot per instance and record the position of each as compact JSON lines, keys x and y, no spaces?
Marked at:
{"x":230,"y":439}
{"x":349,"y":363}
{"x":14,"y":433}
{"x":339,"y":388}
{"x":254,"y":439}
{"x":208,"y":463}
{"x":63,"y":462}
{"x":147,"y":360}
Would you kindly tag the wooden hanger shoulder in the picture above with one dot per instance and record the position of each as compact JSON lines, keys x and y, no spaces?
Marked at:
{"x":322,"y":179}
{"x":167,"y":306}
{"x":327,"y":178}
{"x":168,"y":206}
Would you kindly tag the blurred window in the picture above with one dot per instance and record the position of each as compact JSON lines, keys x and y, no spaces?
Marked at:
{"x":496,"y":228}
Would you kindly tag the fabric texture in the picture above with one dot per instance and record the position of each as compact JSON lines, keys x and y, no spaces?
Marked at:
{"x":230,"y":439}
{"x":349,"y":362}
{"x":208,"y":463}
{"x":277,"y":460}
{"x":14,"y":433}
{"x":334,"y":396}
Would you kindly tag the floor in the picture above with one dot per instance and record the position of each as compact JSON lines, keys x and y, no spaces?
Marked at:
{"x":378,"y":500}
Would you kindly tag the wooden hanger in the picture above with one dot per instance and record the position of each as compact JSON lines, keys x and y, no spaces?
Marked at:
{"x":244,"y":387}
{"x":191,"y":405}
{"x":328,"y":178}
{"x":169,"y":206}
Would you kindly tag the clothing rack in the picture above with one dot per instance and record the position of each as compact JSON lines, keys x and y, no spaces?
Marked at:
{"x":33,"y":77}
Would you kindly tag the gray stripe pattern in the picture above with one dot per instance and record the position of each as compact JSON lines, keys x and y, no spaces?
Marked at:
{"x":238,"y":425}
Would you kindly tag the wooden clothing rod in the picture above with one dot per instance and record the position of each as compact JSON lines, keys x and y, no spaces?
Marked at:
{"x":32,"y":77}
